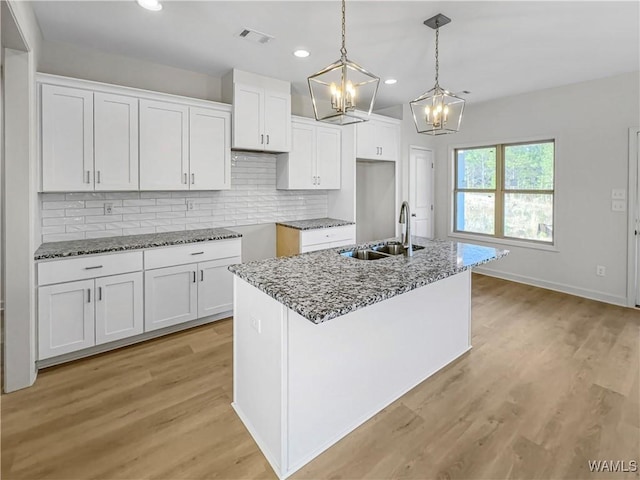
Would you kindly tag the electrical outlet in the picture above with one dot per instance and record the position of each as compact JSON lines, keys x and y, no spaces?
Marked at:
{"x":618,"y":194}
{"x":601,"y":270}
{"x":108,"y":208}
{"x":618,"y":206}
{"x":190,"y":205}
{"x":255,"y":324}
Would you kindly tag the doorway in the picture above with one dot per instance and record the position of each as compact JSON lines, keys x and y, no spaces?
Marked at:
{"x":375,"y":200}
{"x":421,"y":169}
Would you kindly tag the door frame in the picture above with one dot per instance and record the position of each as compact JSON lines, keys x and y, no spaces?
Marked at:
{"x":412,"y":148}
{"x":633,"y":214}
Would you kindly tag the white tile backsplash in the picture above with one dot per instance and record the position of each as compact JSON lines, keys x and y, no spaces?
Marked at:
{"x":252,"y":199}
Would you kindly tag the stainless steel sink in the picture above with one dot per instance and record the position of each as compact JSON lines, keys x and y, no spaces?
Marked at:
{"x":395,"y":248}
{"x":379,"y":252}
{"x":364,"y":254}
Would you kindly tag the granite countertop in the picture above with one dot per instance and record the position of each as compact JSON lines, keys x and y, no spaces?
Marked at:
{"x":324,"y":285}
{"x":315,"y":223}
{"x":73,"y":248}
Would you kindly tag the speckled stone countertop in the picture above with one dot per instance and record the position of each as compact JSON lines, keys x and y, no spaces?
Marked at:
{"x":324,"y":285}
{"x":73,"y":248}
{"x":315,"y":223}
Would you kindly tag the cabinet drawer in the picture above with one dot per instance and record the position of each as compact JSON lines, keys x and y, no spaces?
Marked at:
{"x":191,"y":253}
{"x":80,"y":268}
{"x":327,"y":235}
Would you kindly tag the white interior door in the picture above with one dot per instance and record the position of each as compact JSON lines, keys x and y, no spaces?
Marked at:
{"x":421,"y":191}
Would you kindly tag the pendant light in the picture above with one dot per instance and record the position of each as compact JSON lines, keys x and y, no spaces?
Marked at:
{"x":438,"y":111}
{"x":343,"y":92}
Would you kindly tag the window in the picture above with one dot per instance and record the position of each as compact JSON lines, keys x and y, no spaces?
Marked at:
{"x":505,"y":190}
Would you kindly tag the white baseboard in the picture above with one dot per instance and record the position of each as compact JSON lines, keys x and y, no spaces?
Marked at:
{"x":557,"y":287}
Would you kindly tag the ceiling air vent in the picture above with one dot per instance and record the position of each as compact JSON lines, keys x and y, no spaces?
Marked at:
{"x":256,"y":36}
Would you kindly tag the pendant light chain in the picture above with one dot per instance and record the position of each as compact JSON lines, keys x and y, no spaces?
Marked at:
{"x":343,"y":50}
{"x":437,"y":61}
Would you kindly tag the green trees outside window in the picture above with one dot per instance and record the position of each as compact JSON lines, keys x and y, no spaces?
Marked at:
{"x":505,"y":190}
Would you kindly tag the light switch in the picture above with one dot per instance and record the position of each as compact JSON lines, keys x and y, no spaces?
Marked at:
{"x":618,"y":206}
{"x":618,"y":194}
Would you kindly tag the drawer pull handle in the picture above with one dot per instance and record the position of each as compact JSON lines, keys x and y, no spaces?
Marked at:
{"x":99,"y":293}
{"x":88,"y":295}
{"x":202,"y":275}
{"x":194,"y":276}
{"x":93,"y":268}
{"x":197,"y":253}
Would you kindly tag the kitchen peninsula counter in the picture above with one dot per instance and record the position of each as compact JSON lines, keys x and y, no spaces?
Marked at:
{"x":323,"y":341}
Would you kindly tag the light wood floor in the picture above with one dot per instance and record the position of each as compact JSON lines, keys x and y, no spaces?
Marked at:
{"x":552,"y":382}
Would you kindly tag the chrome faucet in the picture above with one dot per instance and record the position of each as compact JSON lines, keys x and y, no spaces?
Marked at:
{"x":405,"y":218}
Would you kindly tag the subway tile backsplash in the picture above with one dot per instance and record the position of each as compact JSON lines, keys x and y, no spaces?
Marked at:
{"x":252,"y":199}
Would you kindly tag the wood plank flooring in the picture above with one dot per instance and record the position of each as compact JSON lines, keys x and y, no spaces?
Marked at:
{"x":552,"y":382}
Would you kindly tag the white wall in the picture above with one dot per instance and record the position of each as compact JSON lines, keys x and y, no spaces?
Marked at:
{"x":73,"y":61}
{"x":590,"y":123}
{"x":20,"y":239}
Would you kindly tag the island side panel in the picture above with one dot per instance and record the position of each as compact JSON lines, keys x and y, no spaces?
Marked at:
{"x":257,"y":372}
{"x":344,"y":371}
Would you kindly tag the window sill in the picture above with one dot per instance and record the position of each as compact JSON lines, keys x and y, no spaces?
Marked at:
{"x":504,"y":241}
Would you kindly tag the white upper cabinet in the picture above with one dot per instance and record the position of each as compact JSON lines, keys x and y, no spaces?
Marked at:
{"x":378,"y":139}
{"x":328,"y":157}
{"x":210,"y":152}
{"x":115,"y":142}
{"x":110,"y":138}
{"x":315,"y":158}
{"x":164,"y":146}
{"x":67,"y":139}
{"x":277,"y":121}
{"x":261,"y":111}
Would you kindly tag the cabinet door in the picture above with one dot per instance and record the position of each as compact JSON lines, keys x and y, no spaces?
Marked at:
{"x":277,"y":122}
{"x":387,"y":135}
{"x":119,"y":311}
{"x":215,"y":287}
{"x":328,"y":158}
{"x":302,"y":172}
{"x":115,"y":142}
{"x":170,"y":296}
{"x":65,"y":318}
{"x":164,"y":147}
{"x":248,"y":117}
{"x":366,"y":141}
{"x":209,"y":149}
{"x":67,"y":139}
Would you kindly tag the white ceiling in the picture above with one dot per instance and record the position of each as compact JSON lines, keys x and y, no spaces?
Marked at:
{"x":493,"y":49}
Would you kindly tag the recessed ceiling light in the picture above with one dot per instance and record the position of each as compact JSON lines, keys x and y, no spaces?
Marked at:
{"x":390,"y":81}
{"x":301,"y":53}
{"x":153,"y":5}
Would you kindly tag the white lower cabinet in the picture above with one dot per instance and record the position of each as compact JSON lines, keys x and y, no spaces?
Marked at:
{"x":171,"y":296}
{"x":215,"y":288}
{"x":119,"y":307}
{"x":179,"y":294}
{"x":94,"y":300}
{"x":77,"y":315}
{"x":65,"y":318}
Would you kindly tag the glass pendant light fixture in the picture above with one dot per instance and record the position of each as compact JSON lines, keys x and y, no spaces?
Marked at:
{"x":343,"y":92}
{"x":438,"y":111}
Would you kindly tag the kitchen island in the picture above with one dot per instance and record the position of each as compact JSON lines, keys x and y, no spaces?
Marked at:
{"x":323,"y":341}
